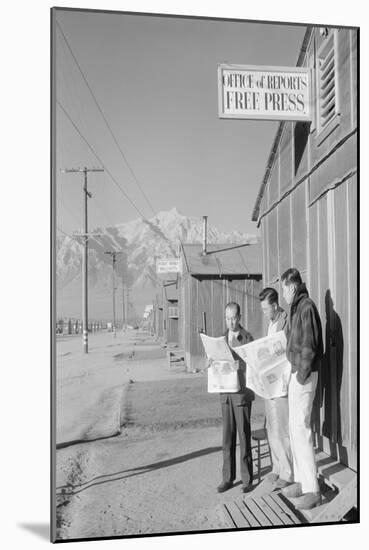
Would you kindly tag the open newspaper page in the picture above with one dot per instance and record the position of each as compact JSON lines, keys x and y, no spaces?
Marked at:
{"x":222,"y":374}
{"x":268,"y":370}
{"x":216,"y":349}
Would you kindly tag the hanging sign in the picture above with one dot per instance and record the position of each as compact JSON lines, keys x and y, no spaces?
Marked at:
{"x":264,"y":93}
{"x":168,"y":265}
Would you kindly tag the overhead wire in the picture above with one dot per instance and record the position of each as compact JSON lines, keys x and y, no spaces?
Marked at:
{"x":70,"y":84}
{"x":64,"y":233}
{"x":91,"y":148}
{"x":98,"y":158}
{"x":68,"y":211}
{"x":162,"y":236}
{"x":67,"y":235}
{"x":105,"y":120}
{"x":95,"y":203}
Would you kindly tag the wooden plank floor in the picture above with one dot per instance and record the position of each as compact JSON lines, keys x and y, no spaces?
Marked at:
{"x":265,"y":507}
{"x":262,"y":511}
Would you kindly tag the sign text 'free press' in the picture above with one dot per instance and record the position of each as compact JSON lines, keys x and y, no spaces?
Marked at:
{"x":265,"y":93}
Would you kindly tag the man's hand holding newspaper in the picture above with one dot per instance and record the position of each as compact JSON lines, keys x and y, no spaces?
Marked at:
{"x":222,"y":368}
{"x":268,"y":370}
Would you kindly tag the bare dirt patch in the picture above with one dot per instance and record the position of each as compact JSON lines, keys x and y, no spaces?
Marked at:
{"x":160,"y":473}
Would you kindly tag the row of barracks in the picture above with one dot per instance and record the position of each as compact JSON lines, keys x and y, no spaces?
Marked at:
{"x":306,"y":210}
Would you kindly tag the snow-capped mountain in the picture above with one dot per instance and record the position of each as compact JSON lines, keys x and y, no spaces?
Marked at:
{"x":140,"y":242}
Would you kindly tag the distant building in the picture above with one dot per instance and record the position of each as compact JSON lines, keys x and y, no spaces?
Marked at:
{"x":307,"y":212}
{"x":158,"y":316}
{"x":170,"y":313}
{"x":207,"y":284}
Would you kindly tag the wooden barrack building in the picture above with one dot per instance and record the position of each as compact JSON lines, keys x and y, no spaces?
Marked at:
{"x":207,"y":283}
{"x":307,"y":211}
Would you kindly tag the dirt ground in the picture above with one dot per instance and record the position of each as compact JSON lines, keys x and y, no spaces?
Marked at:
{"x":139,"y":445}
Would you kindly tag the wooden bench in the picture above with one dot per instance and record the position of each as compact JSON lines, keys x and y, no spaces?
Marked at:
{"x":264,"y":507}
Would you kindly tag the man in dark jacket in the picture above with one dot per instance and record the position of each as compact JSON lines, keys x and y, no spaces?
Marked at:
{"x":236,"y":409}
{"x":304,"y":351}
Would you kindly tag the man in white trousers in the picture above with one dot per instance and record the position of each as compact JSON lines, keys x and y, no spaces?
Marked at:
{"x":276,"y":409}
{"x":304,"y":351}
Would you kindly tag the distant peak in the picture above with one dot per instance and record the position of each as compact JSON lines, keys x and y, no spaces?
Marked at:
{"x":171,"y":213}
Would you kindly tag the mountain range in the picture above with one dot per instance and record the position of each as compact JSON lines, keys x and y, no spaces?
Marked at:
{"x":139,"y":242}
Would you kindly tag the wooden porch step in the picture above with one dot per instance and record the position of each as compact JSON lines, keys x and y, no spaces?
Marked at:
{"x":334,"y":473}
{"x":338,"y":475}
{"x":310,"y":515}
{"x":340,"y":495}
{"x":334,"y":508}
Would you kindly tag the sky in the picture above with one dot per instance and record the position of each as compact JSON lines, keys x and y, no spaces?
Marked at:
{"x":155,"y":81}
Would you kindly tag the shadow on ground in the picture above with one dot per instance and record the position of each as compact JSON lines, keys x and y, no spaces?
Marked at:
{"x":131,"y":472}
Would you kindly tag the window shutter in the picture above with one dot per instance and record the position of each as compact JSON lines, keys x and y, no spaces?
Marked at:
{"x":327,"y":82}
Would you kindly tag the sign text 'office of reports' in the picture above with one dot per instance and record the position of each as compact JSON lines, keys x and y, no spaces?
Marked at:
{"x":269,"y":93}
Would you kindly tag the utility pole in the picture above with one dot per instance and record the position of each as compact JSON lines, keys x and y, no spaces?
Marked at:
{"x":85,"y":235}
{"x":127,"y":304}
{"x":113,"y":254}
{"x":123,"y":304}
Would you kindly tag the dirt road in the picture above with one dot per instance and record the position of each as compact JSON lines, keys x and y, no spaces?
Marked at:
{"x":160,"y":473}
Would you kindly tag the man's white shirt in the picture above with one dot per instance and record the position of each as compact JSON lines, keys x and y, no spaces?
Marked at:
{"x":232,"y":338}
{"x":272,"y":328}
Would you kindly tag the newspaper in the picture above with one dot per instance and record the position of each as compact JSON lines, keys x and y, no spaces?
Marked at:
{"x":268,"y":370}
{"x":222,"y":372}
{"x":223,"y":377}
{"x":216,"y":349}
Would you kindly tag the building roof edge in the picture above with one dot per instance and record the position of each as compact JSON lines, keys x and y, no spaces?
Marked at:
{"x":272,"y":154}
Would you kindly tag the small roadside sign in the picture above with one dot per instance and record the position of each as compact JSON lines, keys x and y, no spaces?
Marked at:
{"x":168,"y":265}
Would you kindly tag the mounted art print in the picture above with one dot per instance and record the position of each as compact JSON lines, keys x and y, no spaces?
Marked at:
{"x":204,"y":199}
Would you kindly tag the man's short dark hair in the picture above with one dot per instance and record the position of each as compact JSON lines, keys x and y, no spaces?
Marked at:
{"x":234,"y":305}
{"x":291,"y":276}
{"x":269,"y":294}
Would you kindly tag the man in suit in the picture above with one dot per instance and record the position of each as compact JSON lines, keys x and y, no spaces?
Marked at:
{"x":276,"y":409}
{"x":236,"y":409}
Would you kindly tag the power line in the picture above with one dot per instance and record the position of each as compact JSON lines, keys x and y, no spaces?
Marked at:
{"x":69,"y":212}
{"x":99,"y":208}
{"x":70,"y":82}
{"x":98,"y":158}
{"x":72,"y":237}
{"x":167,"y":241}
{"x":64,"y":233}
{"x":105,"y":120}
